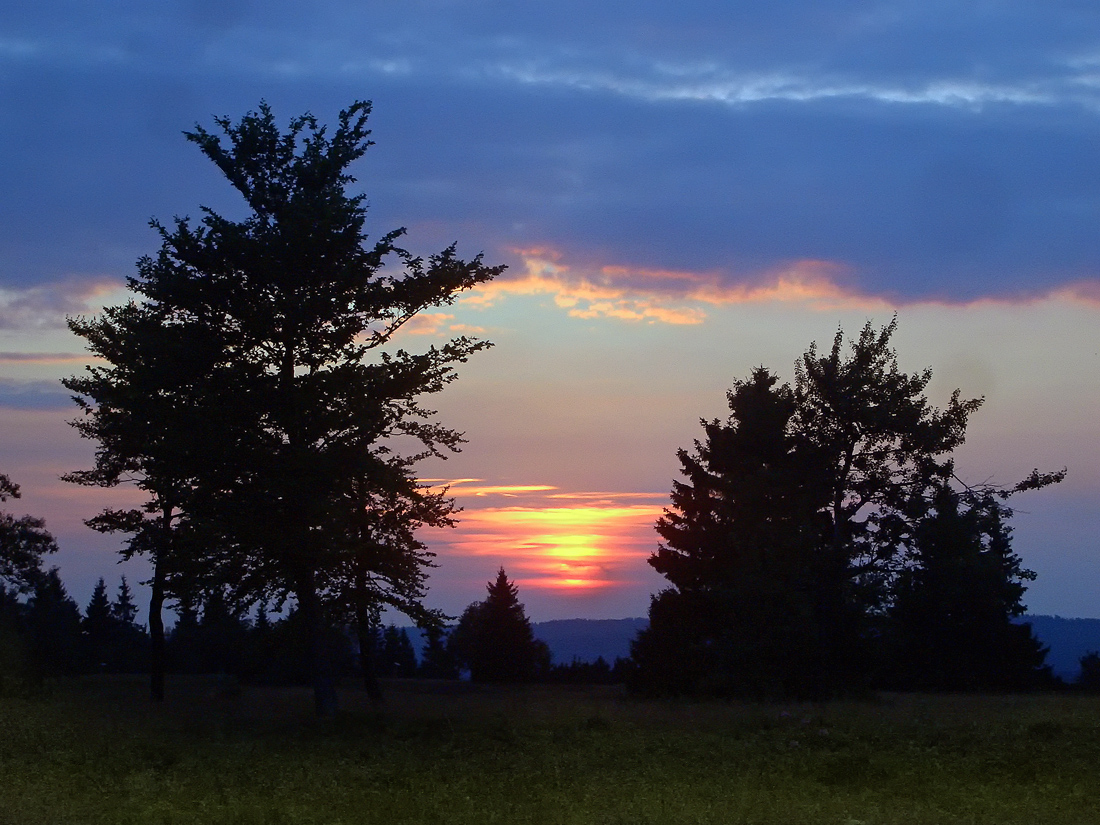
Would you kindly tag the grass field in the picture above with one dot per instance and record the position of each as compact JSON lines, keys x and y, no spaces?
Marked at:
{"x":95,"y":750}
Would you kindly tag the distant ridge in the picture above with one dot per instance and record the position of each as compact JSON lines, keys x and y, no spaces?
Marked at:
{"x":588,"y":639}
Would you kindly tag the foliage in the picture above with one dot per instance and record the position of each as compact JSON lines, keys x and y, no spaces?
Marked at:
{"x":396,"y":657}
{"x":814,"y":538}
{"x":951,"y":622}
{"x":437,"y":661}
{"x":23,"y":542}
{"x":742,"y":549}
{"x":53,"y":628}
{"x":286,"y":421}
{"x":493,"y":638}
{"x":111,"y":640}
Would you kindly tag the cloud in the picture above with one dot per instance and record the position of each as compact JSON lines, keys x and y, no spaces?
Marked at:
{"x":471,"y":487}
{"x":665,"y":296}
{"x":46,"y":306}
{"x":34,"y":395}
{"x":684,"y":297}
{"x":932,"y":151}
{"x":45,"y":357}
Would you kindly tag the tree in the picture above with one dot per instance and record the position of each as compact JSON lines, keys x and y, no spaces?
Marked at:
{"x":99,"y":629}
{"x":23,"y":542}
{"x":294,"y":417}
{"x":885,"y":447}
{"x":741,"y":549}
{"x":53,"y":624}
{"x":437,"y":662}
{"x":798,"y":517}
{"x":494,"y":640}
{"x":951,"y":623}
{"x":397,"y":657}
{"x":1089,"y":676}
{"x":150,"y":412}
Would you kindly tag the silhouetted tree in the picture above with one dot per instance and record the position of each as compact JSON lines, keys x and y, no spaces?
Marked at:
{"x":784,"y":544}
{"x":23,"y":542}
{"x":742,"y":551}
{"x":396,"y":657}
{"x":153,"y":414}
{"x":183,"y":652}
{"x":99,"y":630}
{"x":299,"y":407}
{"x":951,"y":622}
{"x":437,"y":661}
{"x":15,"y":671}
{"x":53,"y":625}
{"x":884,"y":445}
{"x":493,"y":638}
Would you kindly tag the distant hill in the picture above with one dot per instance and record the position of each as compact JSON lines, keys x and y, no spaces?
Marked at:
{"x":588,"y":639}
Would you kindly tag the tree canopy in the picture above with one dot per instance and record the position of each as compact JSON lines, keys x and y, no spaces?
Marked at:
{"x":284,"y":440}
{"x":814,"y":528}
{"x":23,"y":542}
{"x":494,"y":640}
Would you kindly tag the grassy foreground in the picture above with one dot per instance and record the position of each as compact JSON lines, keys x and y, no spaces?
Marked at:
{"x":96,"y":750}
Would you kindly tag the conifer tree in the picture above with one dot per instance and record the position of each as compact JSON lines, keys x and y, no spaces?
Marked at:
{"x":952,"y":622}
{"x":53,"y":621}
{"x":397,"y":655}
{"x":437,"y":662}
{"x":99,"y":630}
{"x":494,"y":639}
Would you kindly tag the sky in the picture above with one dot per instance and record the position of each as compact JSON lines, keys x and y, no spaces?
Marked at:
{"x":681,"y":192}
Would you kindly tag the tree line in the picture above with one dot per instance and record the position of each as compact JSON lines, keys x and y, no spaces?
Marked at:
{"x":821,"y":541}
{"x":46,"y":634}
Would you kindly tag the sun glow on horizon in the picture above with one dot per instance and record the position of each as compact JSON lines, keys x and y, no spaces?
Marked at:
{"x":546,"y":543}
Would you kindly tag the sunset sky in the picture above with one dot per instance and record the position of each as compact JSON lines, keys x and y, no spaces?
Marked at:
{"x":681,"y":193}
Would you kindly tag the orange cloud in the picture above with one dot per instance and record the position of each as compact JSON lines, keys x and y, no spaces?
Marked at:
{"x":470,"y":487}
{"x":682,"y":296}
{"x":656,"y":295}
{"x":427,"y":323}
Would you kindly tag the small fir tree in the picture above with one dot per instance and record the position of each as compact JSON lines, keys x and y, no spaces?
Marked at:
{"x":494,"y":639}
{"x":99,"y":630}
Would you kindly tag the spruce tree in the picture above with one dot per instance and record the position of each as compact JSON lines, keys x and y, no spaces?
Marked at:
{"x":53,"y":623}
{"x":436,"y":661}
{"x":99,"y":630}
{"x":397,"y":654}
{"x":953,"y":619}
{"x":494,"y":639}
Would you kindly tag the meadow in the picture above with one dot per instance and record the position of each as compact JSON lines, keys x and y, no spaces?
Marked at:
{"x":94,"y":750}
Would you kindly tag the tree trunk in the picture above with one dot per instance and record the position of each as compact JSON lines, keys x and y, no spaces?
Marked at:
{"x":156,"y":635}
{"x":324,"y":680}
